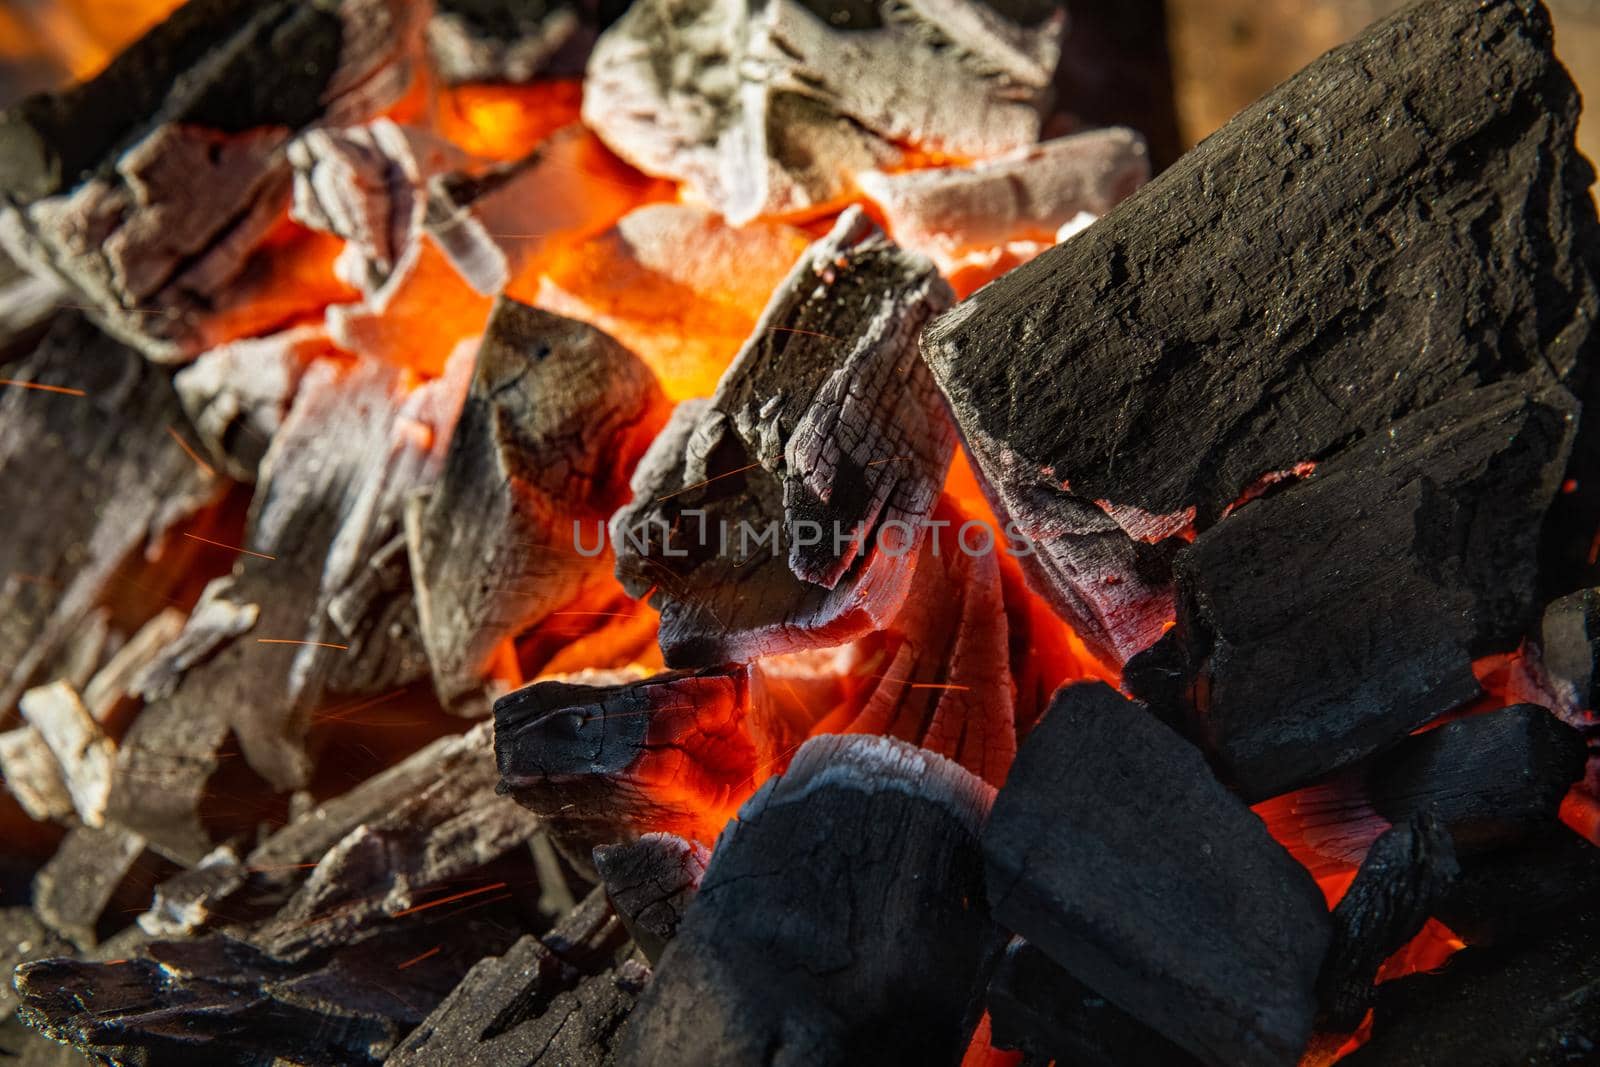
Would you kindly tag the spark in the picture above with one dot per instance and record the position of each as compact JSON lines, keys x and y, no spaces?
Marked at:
{"x":463,"y":895}
{"x":312,"y":644}
{"x":202,"y":464}
{"x":41,"y":387}
{"x":708,"y":481}
{"x":941,"y":685}
{"x":233,"y":548}
{"x":414,"y":960}
{"x":808,"y":333}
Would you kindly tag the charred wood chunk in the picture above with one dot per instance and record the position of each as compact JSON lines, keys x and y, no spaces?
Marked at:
{"x":778,"y":515}
{"x":1115,"y":851}
{"x":238,"y":395}
{"x":1216,"y":330}
{"x":1533,"y":1003}
{"x":1491,"y":779}
{"x":71,"y":892}
{"x":601,"y":764}
{"x":510,"y":41}
{"x":819,"y":93}
{"x":1402,"y":878}
{"x":1323,"y":623}
{"x":509,"y":1008}
{"x":651,"y":882}
{"x":1040,"y":1010}
{"x":1569,"y":650}
{"x":149,"y":186}
{"x":807,"y":943}
{"x":556,"y":416}
{"x":976,"y":216}
{"x":91,"y":485}
{"x":1522,"y":892}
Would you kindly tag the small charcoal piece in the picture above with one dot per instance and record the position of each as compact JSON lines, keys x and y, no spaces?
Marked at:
{"x":1491,"y":779}
{"x":1569,"y":650}
{"x":118,"y":484}
{"x":777,"y":515}
{"x":1038,"y":1009}
{"x":556,"y":416}
{"x":650,"y":883}
{"x":1534,"y":1004}
{"x":1115,"y":851}
{"x":319,"y":604}
{"x":1252,"y":310}
{"x":514,"y":1008}
{"x":808,"y":943}
{"x":1403,"y":877}
{"x":149,"y":186}
{"x":603,"y":763}
{"x":1431,"y":528}
{"x":819,"y":94}
{"x":510,"y":41}
{"x":1517,"y":893}
{"x":995,"y":214}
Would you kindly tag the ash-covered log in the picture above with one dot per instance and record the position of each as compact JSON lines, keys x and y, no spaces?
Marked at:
{"x":979,"y":221}
{"x":1253,"y":310}
{"x":808,"y":943}
{"x":1432,"y":529}
{"x":777,"y":515}
{"x":650,"y":883}
{"x":555,"y":418}
{"x":1491,"y":779}
{"x":1115,"y":851}
{"x":819,"y":93}
{"x":1534,"y":1004}
{"x":149,"y":187}
{"x":1038,"y":1009}
{"x":676,"y":752}
{"x":100,"y":506}
{"x":1404,"y":876}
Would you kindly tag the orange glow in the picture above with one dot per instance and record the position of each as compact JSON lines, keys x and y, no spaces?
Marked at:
{"x":982,"y":1053}
{"x":422,"y":318}
{"x":288,"y":281}
{"x":1581,"y":812}
{"x":506,"y":122}
{"x":79,"y":36}
{"x":1434,"y":944}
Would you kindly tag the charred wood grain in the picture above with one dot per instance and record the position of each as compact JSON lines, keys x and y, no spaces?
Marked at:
{"x":807,"y":943}
{"x":1404,"y":876}
{"x":1115,"y":851}
{"x":1317,"y":269}
{"x":650,"y":883}
{"x":827,"y":417}
{"x":556,"y":415}
{"x":1432,"y":529}
{"x":1491,"y":779}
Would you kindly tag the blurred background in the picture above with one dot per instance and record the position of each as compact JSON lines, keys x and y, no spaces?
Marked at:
{"x":1183,"y":67}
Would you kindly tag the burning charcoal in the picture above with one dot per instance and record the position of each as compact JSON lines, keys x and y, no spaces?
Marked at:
{"x":319,"y":603}
{"x":72,"y":890}
{"x":1491,"y":779}
{"x":1404,"y":875}
{"x":808,"y":937}
{"x":677,"y":285}
{"x":1513,"y":894}
{"x":509,"y":1009}
{"x":991,"y":216}
{"x":817,"y":95}
{"x":215,"y":1000}
{"x":1433,"y":529}
{"x":368,"y":186}
{"x":510,"y":41}
{"x":1039,"y":1009}
{"x":189,"y":127}
{"x":1251,"y":311}
{"x":676,"y":752}
{"x":651,"y":882}
{"x":556,"y":416}
{"x":1527,"y":1003}
{"x":80,"y":514}
{"x":1569,"y":649}
{"x":825,"y":438}
{"x":1114,"y":850}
